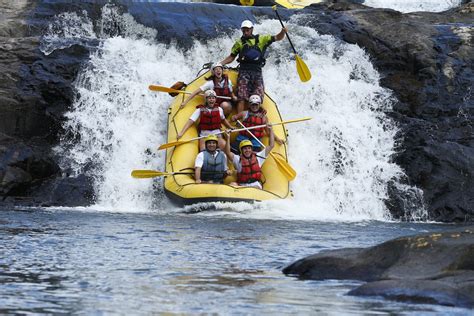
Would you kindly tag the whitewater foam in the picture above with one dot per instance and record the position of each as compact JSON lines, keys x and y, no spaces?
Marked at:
{"x":343,"y":156}
{"x":414,"y":5}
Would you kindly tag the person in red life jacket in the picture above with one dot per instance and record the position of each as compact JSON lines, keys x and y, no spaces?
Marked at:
{"x":256,"y":115}
{"x":249,"y":163}
{"x":211,"y":117}
{"x":220,"y":83}
{"x":251,"y":51}
{"x":210,"y":165}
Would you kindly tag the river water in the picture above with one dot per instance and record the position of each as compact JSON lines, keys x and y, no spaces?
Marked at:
{"x":63,"y":261}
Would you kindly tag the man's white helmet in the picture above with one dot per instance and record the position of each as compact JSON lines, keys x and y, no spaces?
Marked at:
{"x":247,"y":24}
{"x":255,"y":99}
{"x":209,"y":93}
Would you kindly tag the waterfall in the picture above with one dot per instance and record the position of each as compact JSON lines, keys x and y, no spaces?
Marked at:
{"x":414,"y":5}
{"x":343,"y":156}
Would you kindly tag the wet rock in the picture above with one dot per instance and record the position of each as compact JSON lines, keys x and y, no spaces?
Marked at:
{"x":35,"y":92}
{"x":433,"y":268}
{"x":22,"y":166}
{"x":65,"y":191}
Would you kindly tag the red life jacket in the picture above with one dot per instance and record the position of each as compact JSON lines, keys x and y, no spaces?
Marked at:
{"x":255,"y":119}
{"x":209,"y":120}
{"x":225,"y":91}
{"x":251,"y":170}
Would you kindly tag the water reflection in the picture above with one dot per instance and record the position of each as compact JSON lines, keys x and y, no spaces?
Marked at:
{"x":94,"y":263}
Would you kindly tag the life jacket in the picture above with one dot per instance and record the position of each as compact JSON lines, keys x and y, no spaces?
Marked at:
{"x":251,"y":170}
{"x":213,"y":164}
{"x":209,"y":120}
{"x":224,"y":91}
{"x":255,"y":119}
{"x":251,"y":57}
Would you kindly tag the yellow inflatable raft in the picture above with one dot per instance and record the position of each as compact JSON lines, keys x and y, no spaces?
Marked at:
{"x":182,"y":189}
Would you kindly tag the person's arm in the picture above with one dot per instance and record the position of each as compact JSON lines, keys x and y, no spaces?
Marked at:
{"x":267,"y":131}
{"x":239,"y":116}
{"x":227,"y":151}
{"x":192,"y":95}
{"x":185,"y":128}
{"x":271,"y":142}
{"x":232,"y":94}
{"x":281,"y":35}
{"x":227,"y":124}
{"x":197,"y":174}
{"x":228,"y":60}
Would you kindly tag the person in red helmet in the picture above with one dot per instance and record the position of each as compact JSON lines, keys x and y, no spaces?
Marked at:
{"x":250,"y":50}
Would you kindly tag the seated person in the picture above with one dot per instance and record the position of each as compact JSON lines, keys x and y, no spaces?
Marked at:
{"x":210,"y":116}
{"x":211,"y":164}
{"x":249,"y":164}
{"x":255,"y":116}
{"x":220,"y":83}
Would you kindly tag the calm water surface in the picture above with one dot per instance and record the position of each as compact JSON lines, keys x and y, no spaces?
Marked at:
{"x":68,"y":261}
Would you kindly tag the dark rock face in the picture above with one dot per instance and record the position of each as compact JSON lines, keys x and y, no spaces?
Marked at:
{"x":35,"y":90}
{"x":436,"y":268}
{"x":427,"y":60}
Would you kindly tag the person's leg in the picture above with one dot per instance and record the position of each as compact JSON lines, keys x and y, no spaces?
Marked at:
{"x":227,"y":108}
{"x":242,"y":89}
{"x":258,"y":85}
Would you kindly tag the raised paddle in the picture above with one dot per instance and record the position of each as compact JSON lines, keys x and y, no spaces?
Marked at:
{"x":303,"y":71}
{"x":180,"y":142}
{"x":291,"y":4}
{"x":282,"y":164}
{"x":157,"y":88}
{"x":144,"y":174}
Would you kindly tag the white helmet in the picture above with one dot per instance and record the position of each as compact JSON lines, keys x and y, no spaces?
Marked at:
{"x":255,"y":99}
{"x":247,"y":23}
{"x":209,"y":93}
{"x":216,"y":65}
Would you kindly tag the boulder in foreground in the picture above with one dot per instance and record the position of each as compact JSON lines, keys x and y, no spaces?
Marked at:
{"x":435,"y":268}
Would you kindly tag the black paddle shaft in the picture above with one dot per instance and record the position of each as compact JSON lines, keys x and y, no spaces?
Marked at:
{"x":287,"y":36}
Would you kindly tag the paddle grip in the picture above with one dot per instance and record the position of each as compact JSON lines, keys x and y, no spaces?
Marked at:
{"x":287,"y":36}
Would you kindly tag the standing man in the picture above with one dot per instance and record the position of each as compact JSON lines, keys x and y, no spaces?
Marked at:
{"x":251,"y":51}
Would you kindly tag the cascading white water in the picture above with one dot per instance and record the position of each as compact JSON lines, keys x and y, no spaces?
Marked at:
{"x":414,"y":5}
{"x":342,"y":156}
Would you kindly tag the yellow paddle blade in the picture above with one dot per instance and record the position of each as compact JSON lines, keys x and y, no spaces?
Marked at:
{"x":247,"y":2}
{"x":284,"y":167}
{"x":172,"y":144}
{"x":296,"y":4}
{"x":142,"y":174}
{"x":303,"y":71}
{"x":157,"y":88}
